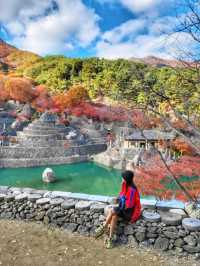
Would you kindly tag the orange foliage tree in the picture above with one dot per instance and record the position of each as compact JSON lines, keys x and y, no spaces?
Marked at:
{"x":181,"y":145}
{"x":19,"y":89}
{"x":74,"y":96}
{"x":3,"y":93}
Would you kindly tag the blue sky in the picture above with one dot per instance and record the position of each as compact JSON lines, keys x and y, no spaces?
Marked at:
{"x":82,"y":28}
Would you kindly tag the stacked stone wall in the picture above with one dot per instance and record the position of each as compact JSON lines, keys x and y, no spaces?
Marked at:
{"x":75,"y":215}
{"x":29,"y":156}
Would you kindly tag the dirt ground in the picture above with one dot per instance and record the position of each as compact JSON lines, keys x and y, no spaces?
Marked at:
{"x":34,"y":244}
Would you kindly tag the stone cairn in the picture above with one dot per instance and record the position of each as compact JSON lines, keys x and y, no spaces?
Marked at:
{"x":44,"y":142}
{"x":170,"y":231}
{"x":42,"y":132}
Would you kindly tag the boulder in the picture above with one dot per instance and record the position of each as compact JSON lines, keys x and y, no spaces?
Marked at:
{"x":128,"y":230}
{"x":97,"y":207}
{"x":9,"y":197}
{"x":151,"y":216}
{"x":140,"y":236}
{"x":190,"y":240}
{"x":2,"y":196}
{"x":68,"y":204}
{"x":42,"y":201}
{"x":132,"y":242}
{"x":48,"y":176}
{"x":83,"y":205}
{"x":21,"y":197}
{"x":179,"y":211}
{"x":191,"y":224}
{"x":34,"y":197}
{"x":56,"y":201}
{"x":71,"y":227}
{"x":171,"y":218}
{"x":179,"y":242}
{"x":161,"y":243}
{"x":191,"y":249}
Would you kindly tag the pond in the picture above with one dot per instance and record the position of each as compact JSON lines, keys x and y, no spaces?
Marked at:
{"x":86,"y":177}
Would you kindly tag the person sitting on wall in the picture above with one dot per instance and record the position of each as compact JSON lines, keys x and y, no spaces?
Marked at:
{"x":129,"y":208}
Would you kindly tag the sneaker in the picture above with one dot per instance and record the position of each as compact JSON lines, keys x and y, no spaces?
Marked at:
{"x":99,"y":231}
{"x":109,"y":243}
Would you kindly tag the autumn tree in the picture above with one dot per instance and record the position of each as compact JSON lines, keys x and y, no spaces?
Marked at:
{"x":154,"y":179}
{"x":182,"y":146}
{"x":3,"y":93}
{"x":74,"y":96}
{"x":42,"y":100}
{"x":19,"y":89}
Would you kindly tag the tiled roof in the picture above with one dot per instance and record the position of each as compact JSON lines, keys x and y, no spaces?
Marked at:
{"x":150,"y":134}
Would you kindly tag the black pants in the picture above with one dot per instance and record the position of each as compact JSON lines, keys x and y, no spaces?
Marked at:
{"x":125,"y":214}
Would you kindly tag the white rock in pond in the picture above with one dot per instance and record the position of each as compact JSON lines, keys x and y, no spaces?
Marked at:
{"x":48,"y":176}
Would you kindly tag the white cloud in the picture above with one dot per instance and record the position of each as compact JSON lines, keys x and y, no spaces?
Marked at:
{"x":70,"y":24}
{"x":140,"y":5}
{"x":122,"y":42}
{"x":142,"y":46}
{"x":129,"y":28}
{"x":12,"y":9}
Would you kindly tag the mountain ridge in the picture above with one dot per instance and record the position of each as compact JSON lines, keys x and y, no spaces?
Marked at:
{"x":9,"y":56}
{"x":161,"y":62}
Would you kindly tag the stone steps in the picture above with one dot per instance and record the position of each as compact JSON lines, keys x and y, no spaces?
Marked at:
{"x":41,"y":123}
{"x":36,"y":127}
{"x":46,"y":144}
{"x":28,"y":131}
{"x":28,"y":135}
{"x":41,"y":128}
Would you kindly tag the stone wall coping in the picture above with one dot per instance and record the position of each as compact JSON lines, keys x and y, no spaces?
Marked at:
{"x":170,"y":204}
{"x":79,"y":196}
{"x":146,"y":203}
{"x":33,"y":148}
{"x":149,"y":203}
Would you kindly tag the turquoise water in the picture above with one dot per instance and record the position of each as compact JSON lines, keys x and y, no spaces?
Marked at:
{"x":87,"y":178}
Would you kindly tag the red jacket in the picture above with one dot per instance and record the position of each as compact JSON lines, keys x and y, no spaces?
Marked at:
{"x":132,"y":200}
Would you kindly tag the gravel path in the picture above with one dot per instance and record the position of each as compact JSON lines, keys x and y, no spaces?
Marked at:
{"x":34,"y":244}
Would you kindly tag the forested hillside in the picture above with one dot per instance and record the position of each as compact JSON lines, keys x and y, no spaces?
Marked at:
{"x":119,"y":80}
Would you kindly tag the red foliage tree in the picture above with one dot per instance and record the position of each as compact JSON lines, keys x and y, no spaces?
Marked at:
{"x":153,"y":178}
{"x":42,"y":100}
